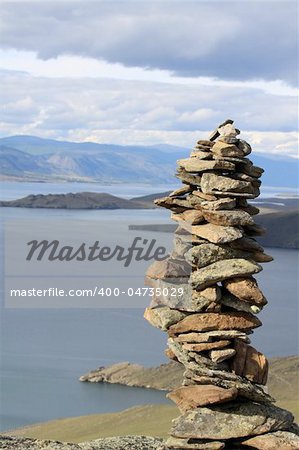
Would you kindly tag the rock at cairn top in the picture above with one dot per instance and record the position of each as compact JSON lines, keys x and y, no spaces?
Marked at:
{"x":206,"y":298}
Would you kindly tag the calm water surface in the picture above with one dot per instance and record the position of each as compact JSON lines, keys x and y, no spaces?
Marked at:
{"x":44,"y":351}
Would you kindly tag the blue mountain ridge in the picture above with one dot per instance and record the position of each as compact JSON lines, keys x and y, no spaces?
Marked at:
{"x":35,"y":158}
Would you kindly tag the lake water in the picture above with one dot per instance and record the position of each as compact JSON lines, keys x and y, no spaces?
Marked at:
{"x":45,"y":350}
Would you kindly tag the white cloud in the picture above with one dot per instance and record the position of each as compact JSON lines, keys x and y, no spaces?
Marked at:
{"x":143,"y":112}
{"x":228,"y":40}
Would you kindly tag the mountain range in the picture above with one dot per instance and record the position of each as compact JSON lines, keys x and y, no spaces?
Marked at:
{"x":30,"y":158}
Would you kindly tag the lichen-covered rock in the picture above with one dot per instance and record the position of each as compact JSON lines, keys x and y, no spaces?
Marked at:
{"x":212,"y":183}
{"x":163,"y":317}
{"x":222,"y":270}
{"x":232,"y":218}
{"x":231,"y":420}
{"x":115,"y":443}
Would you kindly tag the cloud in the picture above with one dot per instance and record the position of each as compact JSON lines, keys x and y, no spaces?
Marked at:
{"x":142,"y":112}
{"x":228,"y":40}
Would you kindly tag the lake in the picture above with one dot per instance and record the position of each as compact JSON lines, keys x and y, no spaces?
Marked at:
{"x":45,"y":349}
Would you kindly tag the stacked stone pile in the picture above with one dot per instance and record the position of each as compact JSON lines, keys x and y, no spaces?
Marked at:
{"x":206,"y":297}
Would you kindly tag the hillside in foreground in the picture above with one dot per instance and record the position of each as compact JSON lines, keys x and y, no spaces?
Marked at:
{"x":155,"y":420}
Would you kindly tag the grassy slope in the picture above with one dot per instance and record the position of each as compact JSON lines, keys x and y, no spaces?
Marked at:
{"x":155,"y":420}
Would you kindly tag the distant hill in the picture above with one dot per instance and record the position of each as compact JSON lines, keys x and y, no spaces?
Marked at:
{"x":282,"y":229}
{"x":81,"y":200}
{"x":33,"y":158}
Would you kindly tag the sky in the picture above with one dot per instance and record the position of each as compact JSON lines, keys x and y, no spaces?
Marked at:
{"x":150,"y":72}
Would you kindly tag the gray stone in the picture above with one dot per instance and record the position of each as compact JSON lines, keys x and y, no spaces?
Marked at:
{"x":221,"y":270}
{"x":227,"y":149}
{"x":163,"y":317}
{"x":212,"y":183}
{"x":231,"y":420}
{"x":233,"y":218}
{"x":207,"y":253}
{"x":113,"y":443}
{"x":190,"y":301}
{"x":233,"y":302}
{"x":249,"y":169}
{"x":244,"y":146}
{"x":198,"y":165}
{"x":188,"y":178}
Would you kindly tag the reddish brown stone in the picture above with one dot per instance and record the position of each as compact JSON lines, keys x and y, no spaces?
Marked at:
{"x":245,"y":288}
{"x":249,"y":363}
{"x":279,"y":440}
{"x":191,"y":397}
{"x":216,"y":321}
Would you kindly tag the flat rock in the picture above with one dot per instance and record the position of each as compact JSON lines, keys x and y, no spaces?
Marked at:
{"x":219,"y":356}
{"x":191,"y":444}
{"x":205,"y":346}
{"x":211,"y":336}
{"x":173,"y":203}
{"x":233,"y":302}
{"x":163,"y":317}
{"x":231,"y":420}
{"x":207,"y":197}
{"x":226,"y":149}
{"x":207,"y":253}
{"x":221,"y":270}
{"x":220,"y":204}
{"x":245,"y":288}
{"x":187,"y":177}
{"x":244,"y":146}
{"x":181,"y":191}
{"x":250,"y":363}
{"x":193,"y":217}
{"x":216,"y":233}
{"x":201,"y":153}
{"x":279,"y":440}
{"x":199,"y":165}
{"x":246,"y":389}
{"x":215,"y":321}
{"x":189,"y":301}
{"x":247,"y":244}
{"x":249,"y":169}
{"x":211,"y":182}
{"x":237,"y":217}
{"x":169,"y":268}
{"x":191,"y":397}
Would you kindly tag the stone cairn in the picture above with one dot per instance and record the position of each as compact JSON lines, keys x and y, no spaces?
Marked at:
{"x":223,"y":401}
